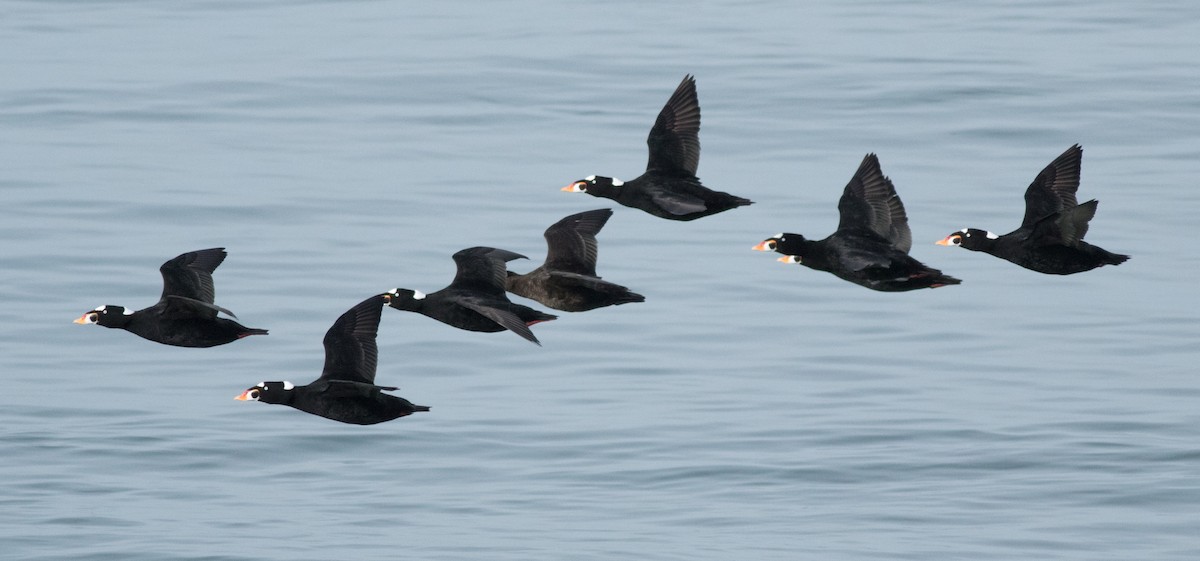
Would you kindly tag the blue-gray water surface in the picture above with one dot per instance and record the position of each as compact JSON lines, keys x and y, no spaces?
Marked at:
{"x":747,"y":410}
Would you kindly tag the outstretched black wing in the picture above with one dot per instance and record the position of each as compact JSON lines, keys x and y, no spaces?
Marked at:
{"x":571,"y":242}
{"x":179,"y":307}
{"x":190,"y":275}
{"x":482,"y":270}
{"x":870,"y":202}
{"x":1066,"y":228}
{"x":505,"y":318}
{"x":350,"y":350}
{"x":1053,"y":190}
{"x":675,"y":138}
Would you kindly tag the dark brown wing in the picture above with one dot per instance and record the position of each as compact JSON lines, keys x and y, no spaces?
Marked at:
{"x":350,"y":349}
{"x":482,"y":270}
{"x":675,"y":138}
{"x":190,"y":275}
{"x":1053,"y":190}
{"x":571,"y":242}
{"x":870,"y":201}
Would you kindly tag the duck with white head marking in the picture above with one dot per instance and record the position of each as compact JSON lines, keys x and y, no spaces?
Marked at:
{"x":871,"y":243}
{"x":346,"y":389}
{"x":185,"y":315}
{"x":1050,"y":238}
{"x":475,"y":300}
{"x":669,"y":187}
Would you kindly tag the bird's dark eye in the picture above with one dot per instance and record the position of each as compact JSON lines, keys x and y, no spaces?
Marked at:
{"x":770,"y":245}
{"x":254,"y":394}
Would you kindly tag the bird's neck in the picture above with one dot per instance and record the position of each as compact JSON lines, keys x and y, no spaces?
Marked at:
{"x":408,"y":304}
{"x":606,"y":191}
{"x":985,"y":244}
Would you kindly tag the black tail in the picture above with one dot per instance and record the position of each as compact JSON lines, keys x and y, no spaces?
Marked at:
{"x":1115,"y":258}
{"x":252,"y":331}
{"x":629,"y":297}
{"x":943,"y":280}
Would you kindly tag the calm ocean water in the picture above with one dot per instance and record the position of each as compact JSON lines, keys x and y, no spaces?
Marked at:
{"x":747,"y":410}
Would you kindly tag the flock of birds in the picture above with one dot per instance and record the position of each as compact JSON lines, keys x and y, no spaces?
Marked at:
{"x":869,"y":248}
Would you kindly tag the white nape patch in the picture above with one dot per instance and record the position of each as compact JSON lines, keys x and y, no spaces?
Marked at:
{"x":288,"y":386}
{"x":127,"y":312}
{"x":617,"y":182}
{"x":992,"y":236}
{"x":590,"y":178}
{"x":418,"y":295}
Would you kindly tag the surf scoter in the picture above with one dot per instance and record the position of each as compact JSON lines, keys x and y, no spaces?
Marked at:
{"x":475,"y":299}
{"x":871,"y":243}
{"x":1050,"y":239}
{"x":346,"y":390}
{"x":185,"y":315}
{"x":669,"y":188}
{"x":567,"y":280}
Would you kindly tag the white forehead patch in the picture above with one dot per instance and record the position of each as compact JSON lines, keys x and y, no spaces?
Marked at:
{"x":617,"y":182}
{"x":992,"y":236}
{"x":100,"y":309}
{"x":590,"y":178}
{"x":261,"y":385}
{"x":778,"y":236}
{"x":964,"y":230}
{"x":418,"y":295}
{"x":288,"y":386}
